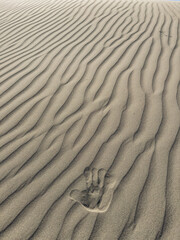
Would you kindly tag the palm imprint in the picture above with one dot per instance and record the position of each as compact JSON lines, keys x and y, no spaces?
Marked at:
{"x":99,"y":190}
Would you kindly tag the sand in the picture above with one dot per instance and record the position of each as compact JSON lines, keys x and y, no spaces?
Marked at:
{"x":89,"y":120}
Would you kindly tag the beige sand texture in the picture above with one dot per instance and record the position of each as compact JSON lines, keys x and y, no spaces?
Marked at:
{"x":89,"y":120}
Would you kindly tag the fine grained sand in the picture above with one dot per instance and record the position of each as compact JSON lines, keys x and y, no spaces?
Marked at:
{"x":94,"y":85}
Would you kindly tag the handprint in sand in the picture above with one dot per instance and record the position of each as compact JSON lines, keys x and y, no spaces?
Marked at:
{"x":99,"y":190}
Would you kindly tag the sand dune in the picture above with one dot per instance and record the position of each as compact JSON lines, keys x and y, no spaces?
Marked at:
{"x":90,"y":117}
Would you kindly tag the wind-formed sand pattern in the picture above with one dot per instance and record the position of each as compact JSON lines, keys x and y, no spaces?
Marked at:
{"x":89,"y":85}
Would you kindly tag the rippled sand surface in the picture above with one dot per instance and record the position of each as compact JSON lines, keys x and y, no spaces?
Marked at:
{"x":89,"y":87}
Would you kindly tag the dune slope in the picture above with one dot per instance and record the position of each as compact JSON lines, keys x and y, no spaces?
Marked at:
{"x":92,"y":83}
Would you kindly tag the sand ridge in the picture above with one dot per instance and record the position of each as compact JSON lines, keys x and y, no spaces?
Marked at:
{"x":92,"y":83}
